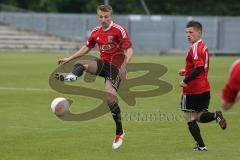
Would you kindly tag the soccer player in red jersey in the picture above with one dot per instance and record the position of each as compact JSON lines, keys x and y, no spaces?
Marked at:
{"x":115,"y":53}
{"x":231,"y":91}
{"x":196,"y":88}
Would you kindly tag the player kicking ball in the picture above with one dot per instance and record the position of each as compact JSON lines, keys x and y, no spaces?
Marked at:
{"x":115,"y":53}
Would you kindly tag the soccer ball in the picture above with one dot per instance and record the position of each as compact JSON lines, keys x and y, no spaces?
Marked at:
{"x":60,"y":106}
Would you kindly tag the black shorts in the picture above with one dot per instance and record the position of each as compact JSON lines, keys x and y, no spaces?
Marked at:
{"x":195,"y":102}
{"x":109,"y":72}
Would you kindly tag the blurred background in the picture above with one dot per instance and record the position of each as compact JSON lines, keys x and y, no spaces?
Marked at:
{"x":155,"y":27}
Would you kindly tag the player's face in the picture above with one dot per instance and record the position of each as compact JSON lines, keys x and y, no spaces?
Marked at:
{"x":105,"y":18}
{"x":193,"y":34}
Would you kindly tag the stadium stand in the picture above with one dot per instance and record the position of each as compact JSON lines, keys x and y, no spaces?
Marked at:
{"x":16,"y":39}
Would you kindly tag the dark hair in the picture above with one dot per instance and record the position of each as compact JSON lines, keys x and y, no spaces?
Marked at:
{"x":195,"y":24}
{"x":105,"y":8}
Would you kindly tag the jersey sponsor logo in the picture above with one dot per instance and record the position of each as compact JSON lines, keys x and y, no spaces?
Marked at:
{"x":112,"y":47}
{"x":109,"y":47}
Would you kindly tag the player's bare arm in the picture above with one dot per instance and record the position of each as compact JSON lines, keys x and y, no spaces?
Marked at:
{"x":82,"y":51}
{"x":123,"y":70}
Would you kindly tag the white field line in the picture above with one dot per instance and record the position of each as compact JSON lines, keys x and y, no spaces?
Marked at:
{"x":26,"y":89}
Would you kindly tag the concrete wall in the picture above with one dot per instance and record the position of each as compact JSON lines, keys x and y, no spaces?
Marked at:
{"x":150,"y":34}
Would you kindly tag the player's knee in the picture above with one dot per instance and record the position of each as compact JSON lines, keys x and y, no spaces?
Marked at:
{"x":190,"y":120}
{"x":110,"y":98}
{"x":190,"y":117}
{"x":198,"y":116}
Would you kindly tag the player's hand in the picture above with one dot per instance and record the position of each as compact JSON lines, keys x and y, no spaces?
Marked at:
{"x":182,"y":84}
{"x":63,"y":60}
{"x":181,"y":72}
{"x":123,"y":72}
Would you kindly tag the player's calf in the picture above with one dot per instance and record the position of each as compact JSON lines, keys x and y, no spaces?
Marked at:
{"x":207,"y":117}
{"x":78,"y":69}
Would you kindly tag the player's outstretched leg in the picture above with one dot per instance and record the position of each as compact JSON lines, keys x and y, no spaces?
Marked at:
{"x":77,"y":71}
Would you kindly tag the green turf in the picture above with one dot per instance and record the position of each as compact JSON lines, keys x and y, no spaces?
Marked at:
{"x":30,"y":131}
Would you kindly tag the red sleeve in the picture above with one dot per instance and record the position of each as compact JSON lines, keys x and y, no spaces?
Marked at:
{"x":228,"y":94}
{"x":198,"y":58}
{"x":91,"y":41}
{"x":124,"y":40}
{"x":232,"y":87}
{"x":124,"y":34}
{"x":234,"y":78}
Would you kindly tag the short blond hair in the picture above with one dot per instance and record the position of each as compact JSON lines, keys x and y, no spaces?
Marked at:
{"x":105,"y":8}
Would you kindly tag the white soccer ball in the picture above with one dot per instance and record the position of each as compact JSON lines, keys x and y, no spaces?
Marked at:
{"x":60,"y":106}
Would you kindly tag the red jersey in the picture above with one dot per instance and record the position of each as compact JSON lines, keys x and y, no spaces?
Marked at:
{"x":197,"y":56}
{"x":232,"y":87}
{"x":110,"y":41}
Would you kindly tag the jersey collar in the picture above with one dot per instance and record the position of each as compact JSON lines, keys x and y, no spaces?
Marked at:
{"x":197,"y":42}
{"x":108,"y":27}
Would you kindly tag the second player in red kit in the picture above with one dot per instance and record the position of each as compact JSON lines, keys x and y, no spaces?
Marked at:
{"x":196,"y":89}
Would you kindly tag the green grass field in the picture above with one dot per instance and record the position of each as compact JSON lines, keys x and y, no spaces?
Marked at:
{"x":30,"y":131}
